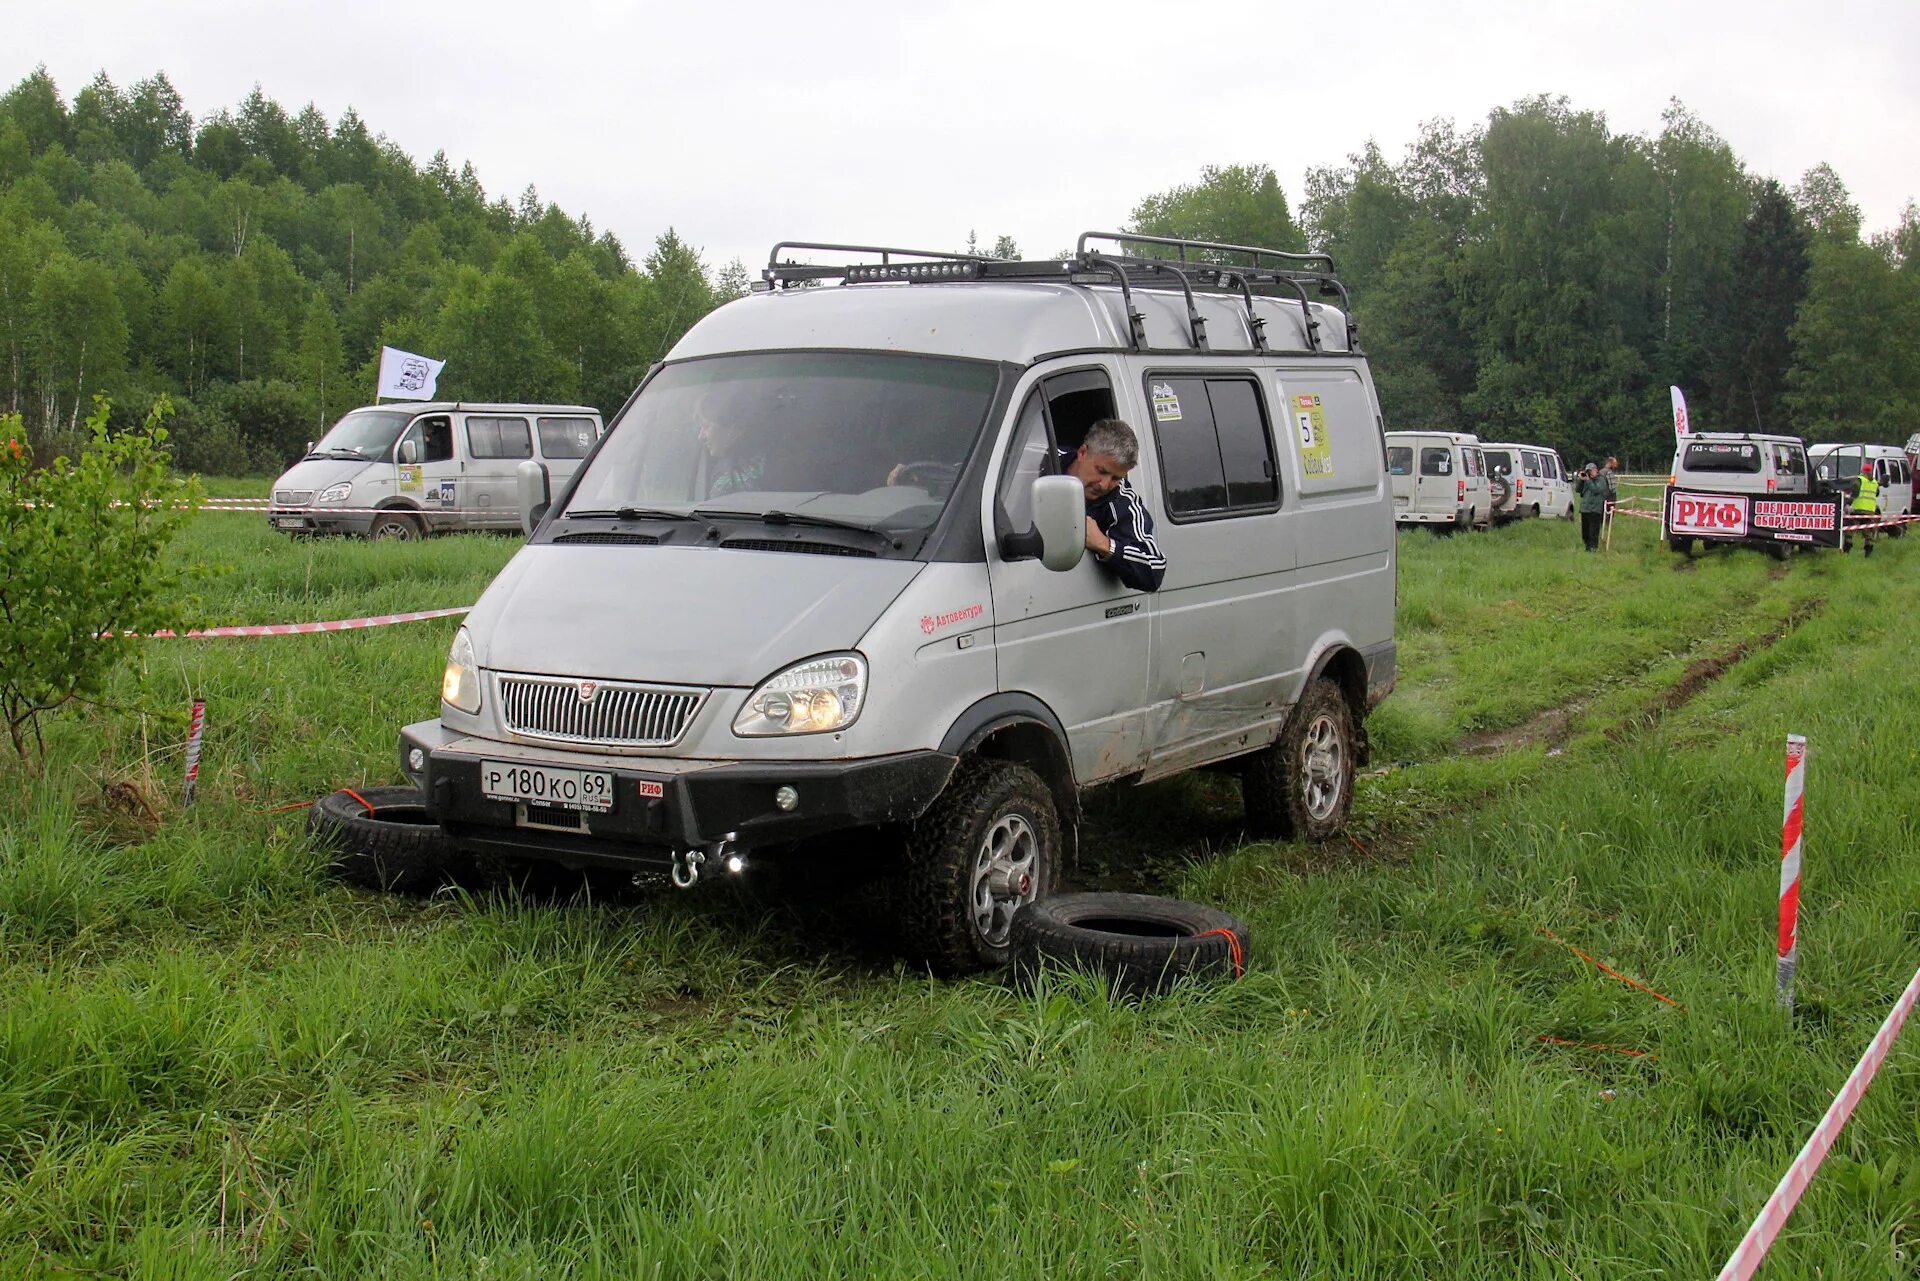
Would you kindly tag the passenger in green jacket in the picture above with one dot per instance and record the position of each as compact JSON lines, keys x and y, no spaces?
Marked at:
{"x":1596,"y":491}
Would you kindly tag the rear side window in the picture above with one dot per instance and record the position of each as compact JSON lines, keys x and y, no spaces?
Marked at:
{"x":499,"y":437}
{"x":1721,"y":455}
{"x":1400,"y":460}
{"x":1436,"y":462}
{"x":1530,"y":465}
{"x":1476,"y":461}
{"x":1216,"y":453}
{"x":565,"y":437}
{"x":1499,"y":462}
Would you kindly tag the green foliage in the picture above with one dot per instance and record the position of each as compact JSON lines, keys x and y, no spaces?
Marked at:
{"x":1235,"y":205}
{"x":142,"y":252}
{"x":85,"y":541}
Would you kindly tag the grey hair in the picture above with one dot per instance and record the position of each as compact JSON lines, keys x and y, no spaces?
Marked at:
{"x":1114,"y":438}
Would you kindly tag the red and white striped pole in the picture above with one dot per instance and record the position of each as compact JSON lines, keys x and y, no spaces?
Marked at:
{"x":1790,"y":830}
{"x":194,"y":731}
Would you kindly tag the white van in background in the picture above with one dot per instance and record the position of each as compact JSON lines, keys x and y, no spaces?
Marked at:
{"x":1439,"y":480}
{"x":404,"y":471}
{"x":1838,"y":464}
{"x":1537,"y":483}
{"x":1555,"y":499}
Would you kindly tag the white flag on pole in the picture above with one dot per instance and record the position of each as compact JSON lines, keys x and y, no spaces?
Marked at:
{"x":1679,"y":413}
{"x":405,"y":376}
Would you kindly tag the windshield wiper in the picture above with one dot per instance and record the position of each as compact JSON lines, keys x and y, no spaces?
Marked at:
{"x":796,"y":518}
{"x":632,"y":513}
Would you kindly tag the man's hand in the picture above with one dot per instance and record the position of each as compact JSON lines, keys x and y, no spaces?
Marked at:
{"x":1098,"y":543}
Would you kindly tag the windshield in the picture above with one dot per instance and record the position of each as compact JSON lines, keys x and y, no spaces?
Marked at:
{"x":859,"y":437}
{"x":368,"y":433}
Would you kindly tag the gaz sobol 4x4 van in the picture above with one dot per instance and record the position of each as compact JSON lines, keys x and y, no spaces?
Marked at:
{"x":402,"y":471}
{"x":823,"y":572}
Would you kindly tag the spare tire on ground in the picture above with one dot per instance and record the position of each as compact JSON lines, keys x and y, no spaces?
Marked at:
{"x":1140,"y":943}
{"x":381,"y":837}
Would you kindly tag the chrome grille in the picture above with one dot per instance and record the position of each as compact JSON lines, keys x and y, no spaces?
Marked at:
{"x":610,"y":712}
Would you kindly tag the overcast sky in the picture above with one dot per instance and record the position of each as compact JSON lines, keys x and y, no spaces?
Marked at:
{"x":740,"y":123}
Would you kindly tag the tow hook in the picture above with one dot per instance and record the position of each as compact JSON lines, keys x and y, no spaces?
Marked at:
{"x":686,"y":868}
{"x":687,"y":864}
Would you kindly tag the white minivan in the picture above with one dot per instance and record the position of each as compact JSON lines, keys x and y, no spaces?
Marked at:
{"x":1838,"y":464}
{"x":829,"y":571}
{"x":1439,"y":480}
{"x":404,"y":471}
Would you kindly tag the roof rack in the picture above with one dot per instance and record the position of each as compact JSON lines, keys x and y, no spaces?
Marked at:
{"x":1269,"y":272}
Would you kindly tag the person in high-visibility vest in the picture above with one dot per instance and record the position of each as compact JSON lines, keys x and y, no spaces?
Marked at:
{"x":1866,"y":502}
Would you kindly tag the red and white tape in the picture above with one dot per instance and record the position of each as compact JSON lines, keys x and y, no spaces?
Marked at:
{"x":194,"y":730}
{"x":1773,"y":1215}
{"x":1788,"y":955}
{"x":297,"y":629}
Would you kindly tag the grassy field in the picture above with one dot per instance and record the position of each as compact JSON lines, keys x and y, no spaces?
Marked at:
{"x":217,"y":1062}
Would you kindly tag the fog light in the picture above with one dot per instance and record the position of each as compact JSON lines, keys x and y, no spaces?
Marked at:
{"x":786,"y":798}
{"x":416,"y":760}
{"x":736,"y":864}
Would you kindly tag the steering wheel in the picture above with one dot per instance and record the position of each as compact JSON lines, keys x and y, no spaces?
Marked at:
{"x":930,"y":474}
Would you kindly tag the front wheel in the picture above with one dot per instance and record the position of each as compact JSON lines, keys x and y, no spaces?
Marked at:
{"x":400,"y":529}
{"x":1302,"y":786}
{"x":987,"y":846}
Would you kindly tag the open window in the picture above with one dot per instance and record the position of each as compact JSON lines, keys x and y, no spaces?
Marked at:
{"x":432,"y":439}
{"x":1054,"y":418}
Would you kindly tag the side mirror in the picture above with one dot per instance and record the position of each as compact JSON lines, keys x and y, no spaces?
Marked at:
{"x":1060,"y":518}
{"x":409,"y":450}
{"x":535,"y":494}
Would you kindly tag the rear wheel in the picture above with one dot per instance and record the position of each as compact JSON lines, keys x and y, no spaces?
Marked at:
{"x":1680,"y":546}
{"x":988,"y":845}
{"x":1302,"y":785}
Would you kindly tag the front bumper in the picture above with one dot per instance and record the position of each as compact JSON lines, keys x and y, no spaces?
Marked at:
{"x":317,"y":520}
{"x":699,"y":803}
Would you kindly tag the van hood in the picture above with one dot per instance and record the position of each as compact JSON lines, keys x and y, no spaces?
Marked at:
{"x":317,"y":473}
{"x":676,"y":615}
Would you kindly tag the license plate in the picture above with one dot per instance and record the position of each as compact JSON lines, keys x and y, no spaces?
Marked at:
{"x":570,"y":789}
{"x":288,"y":522}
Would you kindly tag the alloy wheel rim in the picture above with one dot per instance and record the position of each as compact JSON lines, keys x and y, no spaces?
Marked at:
{"x":1323,"y":758}
{"x":1005,"y":875}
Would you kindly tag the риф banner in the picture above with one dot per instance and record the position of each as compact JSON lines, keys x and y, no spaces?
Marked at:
{"x":1754,"y":517}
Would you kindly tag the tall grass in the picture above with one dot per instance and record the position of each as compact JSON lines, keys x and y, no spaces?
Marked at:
{"x":216,"y":1061}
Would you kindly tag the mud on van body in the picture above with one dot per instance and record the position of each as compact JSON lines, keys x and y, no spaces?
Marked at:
{"x":824,"y":574}
{"x":406,"y":470}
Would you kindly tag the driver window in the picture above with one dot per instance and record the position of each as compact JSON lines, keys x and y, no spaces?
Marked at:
{"x":1030,"y":458}
{"x":432,"y":438}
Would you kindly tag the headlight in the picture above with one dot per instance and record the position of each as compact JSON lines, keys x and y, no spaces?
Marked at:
{"x":808,"y":698}
{"x":460,"y":687}
{"x":336,"y":493}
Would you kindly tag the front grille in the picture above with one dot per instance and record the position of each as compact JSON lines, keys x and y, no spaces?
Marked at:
{"x":616,"y":714}
{"x":811,"y":549}
{"x":293,"y":497}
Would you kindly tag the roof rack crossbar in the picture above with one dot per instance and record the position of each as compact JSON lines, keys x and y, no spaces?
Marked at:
{"x":1123,"y":238}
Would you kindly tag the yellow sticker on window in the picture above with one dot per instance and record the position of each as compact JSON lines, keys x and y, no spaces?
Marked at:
{"x":1316,"y":447}
{"x":1166,"y":405}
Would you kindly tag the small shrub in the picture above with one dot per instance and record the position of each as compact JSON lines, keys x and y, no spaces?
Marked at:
{"x":82,"y":564}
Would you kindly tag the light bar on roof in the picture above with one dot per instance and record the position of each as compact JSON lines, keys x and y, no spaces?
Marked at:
{"x":915,"y":271}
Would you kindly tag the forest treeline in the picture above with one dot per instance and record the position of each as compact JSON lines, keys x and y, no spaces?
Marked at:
{"x":1535,"y":277}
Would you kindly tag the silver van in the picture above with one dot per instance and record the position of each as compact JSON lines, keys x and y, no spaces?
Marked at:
{"x":1439,"y":480}
{"x":404,"y":471}
{"x":1835,"y":465}
{"x":1536,"y":483}
{"x":823,"y":573}
{"x":1745,"y":487}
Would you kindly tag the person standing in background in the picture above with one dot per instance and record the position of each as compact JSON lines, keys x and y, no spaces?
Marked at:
{"x":1596,"y":490}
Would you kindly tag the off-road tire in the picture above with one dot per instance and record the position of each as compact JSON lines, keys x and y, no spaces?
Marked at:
{"x":1680,"y":546}
{"x":945,"y":847}
{"x":1139,"y":943}
{"x":400,"y":528}
{"x":1284,"y":786}
{"x":395,"y":846}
